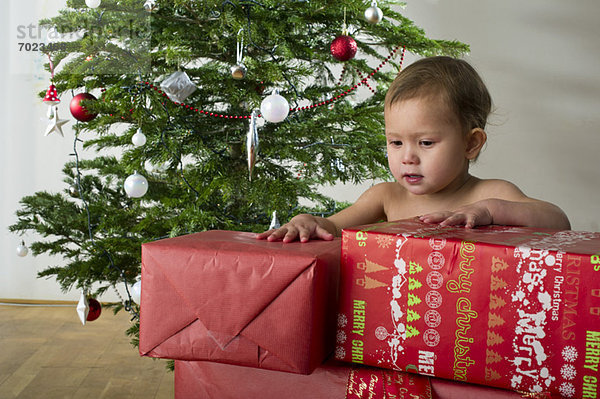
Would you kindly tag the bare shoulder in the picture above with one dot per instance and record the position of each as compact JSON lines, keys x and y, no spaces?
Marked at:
{"x":382,"y":190}
{"x":498,"y":188}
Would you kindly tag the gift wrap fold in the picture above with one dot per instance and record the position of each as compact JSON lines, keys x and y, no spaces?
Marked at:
{"x":515,"y":308}
{"x":332,"y":380}
{"x":227,"y":297}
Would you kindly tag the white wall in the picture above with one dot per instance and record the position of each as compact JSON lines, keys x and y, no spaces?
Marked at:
{"x":539,"y":58}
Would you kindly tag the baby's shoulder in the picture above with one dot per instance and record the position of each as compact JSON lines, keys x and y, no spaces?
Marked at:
{"x":496,"y":188}
{"x":387,"y":189}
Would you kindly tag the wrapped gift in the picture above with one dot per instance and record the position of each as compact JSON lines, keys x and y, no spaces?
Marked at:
{"x":227,"y":297}
{"x":516,"y":308}
{"x":331,"y":380}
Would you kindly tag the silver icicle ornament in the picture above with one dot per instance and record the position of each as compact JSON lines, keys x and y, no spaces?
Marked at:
{"x":274,"y":221}
{"x":252,"y":143}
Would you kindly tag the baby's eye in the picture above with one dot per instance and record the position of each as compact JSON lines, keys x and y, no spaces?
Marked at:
{"x":426,"y":143}
{"x":395,"y":143}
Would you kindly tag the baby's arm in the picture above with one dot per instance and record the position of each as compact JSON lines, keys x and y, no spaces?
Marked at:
{"x":367,"y":209}
{"x":506,"y":205}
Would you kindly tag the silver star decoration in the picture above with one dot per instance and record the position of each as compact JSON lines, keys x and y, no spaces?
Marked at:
{"x":55,"y":124}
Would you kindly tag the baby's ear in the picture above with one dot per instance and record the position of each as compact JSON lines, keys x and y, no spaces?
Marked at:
{"x":476,"y":138}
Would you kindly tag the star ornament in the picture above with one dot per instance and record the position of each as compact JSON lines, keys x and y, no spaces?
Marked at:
{"x":55,"y":124}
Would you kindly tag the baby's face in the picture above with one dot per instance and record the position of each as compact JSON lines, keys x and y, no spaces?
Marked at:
{"x":426,"y":146}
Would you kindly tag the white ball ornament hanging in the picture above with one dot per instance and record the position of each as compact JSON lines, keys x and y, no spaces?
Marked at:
{"x":139,"y":138}
{"x":136,"y":185}
{"x":136,"y":292}
{"x":22,"y":249}
{"x":373,"y":14}
{"x":274,"y":108}
{"x":93,"y":3}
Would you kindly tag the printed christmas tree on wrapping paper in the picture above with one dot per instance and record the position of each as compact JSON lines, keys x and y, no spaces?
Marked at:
{"x":496,"y":302}
{"x":414,"y":284}
{"x":491,"y":375}
{"x":498,"y":264}
{"x":194,"y":157}
{"x":493,"y":338}
{"x":492,"y":356}
{"x":414,"y":268}
{"x":494,"y":320}
{"x":413,"y":300}
{"x":411,"y":332}
{"x":411,"y":316}
{"x":496,"y":283}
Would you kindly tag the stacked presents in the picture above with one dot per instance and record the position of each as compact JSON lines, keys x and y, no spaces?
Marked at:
{"x":392,"y":310}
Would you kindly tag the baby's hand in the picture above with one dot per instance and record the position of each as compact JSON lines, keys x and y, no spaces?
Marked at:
{"x":303,"y":227}
{"x":472,"y":215}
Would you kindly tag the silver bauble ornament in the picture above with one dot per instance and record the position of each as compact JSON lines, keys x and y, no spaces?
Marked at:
{"x":373,"y":14}
{"x":238,"y":72}
{"x":73,"y":191}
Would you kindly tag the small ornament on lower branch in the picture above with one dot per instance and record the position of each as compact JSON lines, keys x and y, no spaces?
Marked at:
{"x":22,"y":249}
{"x":88,"y":308}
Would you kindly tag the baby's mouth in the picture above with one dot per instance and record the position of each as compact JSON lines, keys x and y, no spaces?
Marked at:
{"x":412,"y":178}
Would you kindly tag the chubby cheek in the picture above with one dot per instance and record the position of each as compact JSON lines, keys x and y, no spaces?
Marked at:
{"x":394,"y":165}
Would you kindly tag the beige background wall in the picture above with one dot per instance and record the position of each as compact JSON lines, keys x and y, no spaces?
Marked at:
{"x":539,"y":58}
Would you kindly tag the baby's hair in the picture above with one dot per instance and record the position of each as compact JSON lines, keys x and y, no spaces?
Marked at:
{"x":455,"y":79}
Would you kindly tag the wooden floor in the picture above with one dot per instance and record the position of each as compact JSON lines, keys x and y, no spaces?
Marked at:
{"x":45,"y":352}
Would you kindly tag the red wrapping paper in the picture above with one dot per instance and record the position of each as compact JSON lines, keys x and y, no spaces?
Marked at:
{"x":227,"y":297}
{"x":331,"y":380}
{"x":515,"y":308}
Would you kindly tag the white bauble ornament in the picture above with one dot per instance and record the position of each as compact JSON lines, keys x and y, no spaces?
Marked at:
{"x":136,"y":292}
{"x":22,"y":249}
{"x":274,"y":108}
{"x":150,"y":6}
{"x":136,"y":185}
{"x":373,"y":14}
{"x":138,"y":139}
{"x":93,"y":3}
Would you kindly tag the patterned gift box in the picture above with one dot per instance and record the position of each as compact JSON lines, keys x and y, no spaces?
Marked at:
{"x":509,"y":307}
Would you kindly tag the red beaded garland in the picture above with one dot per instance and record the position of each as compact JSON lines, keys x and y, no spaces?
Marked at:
{"x":334,"y":98}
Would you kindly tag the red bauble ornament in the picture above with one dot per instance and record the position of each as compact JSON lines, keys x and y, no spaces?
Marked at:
{"x":78,"y":111}
{"x":95,"y":309}
{"x":343,"y":48}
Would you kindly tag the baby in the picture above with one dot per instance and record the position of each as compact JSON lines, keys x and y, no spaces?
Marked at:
{"x":435,"y":115}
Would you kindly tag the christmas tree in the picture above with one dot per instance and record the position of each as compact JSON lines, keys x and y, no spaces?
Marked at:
{"x":184,"y":130}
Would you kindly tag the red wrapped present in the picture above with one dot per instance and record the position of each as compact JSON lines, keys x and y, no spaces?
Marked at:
{"x":332,"y":380}
{"x":515,"y":308}
{"x":227,"y":297}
